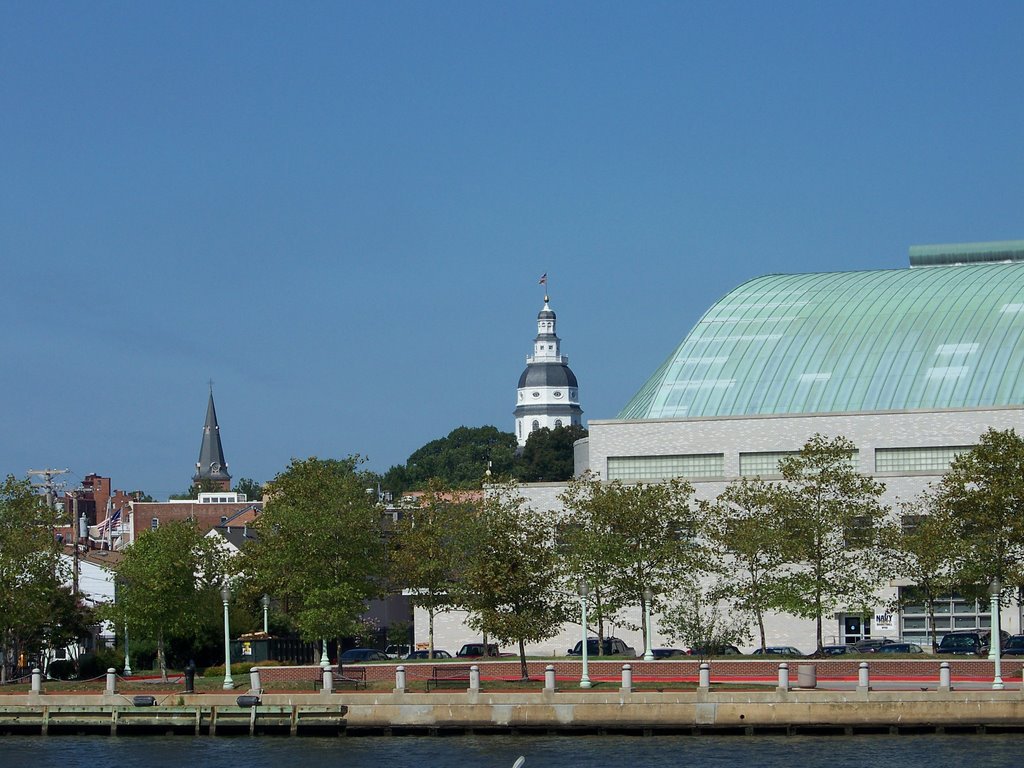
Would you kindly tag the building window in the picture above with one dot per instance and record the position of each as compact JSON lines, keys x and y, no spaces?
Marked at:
{"x":762,"y":464}
{"x":691,"y":467}
{"x":536,"y":425}
{"x":935,"y":459}
{"x":558,"y":422}
{"x":951,"y":612}
{"x":154,"y":523}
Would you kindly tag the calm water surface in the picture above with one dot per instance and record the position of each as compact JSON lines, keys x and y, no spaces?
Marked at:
{"x":501,"y":751}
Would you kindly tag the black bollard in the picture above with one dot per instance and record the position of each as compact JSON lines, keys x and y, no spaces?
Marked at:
{"x":190,"y":677}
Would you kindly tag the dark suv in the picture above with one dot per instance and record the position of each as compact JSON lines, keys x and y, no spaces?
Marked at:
{"x":966,"y":642}
{"x":613,"y":646}
{"x":476,"y":650}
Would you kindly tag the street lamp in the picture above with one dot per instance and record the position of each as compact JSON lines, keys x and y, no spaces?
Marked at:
{"x":995,"y":636}
{"x":648,"y":651}
{"x":584,"y":590}
{"x":127,"y":662}
{"x":325,"y":661}
{"x":225,"y":595}
{"x":265,"y":601}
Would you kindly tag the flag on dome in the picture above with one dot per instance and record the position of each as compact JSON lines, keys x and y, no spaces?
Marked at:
{"x":543,"y":279}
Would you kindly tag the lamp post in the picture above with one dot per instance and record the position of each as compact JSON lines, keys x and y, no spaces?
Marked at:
{"x":585,"y":675}
{"x":325,"y":661}
{"x":127,"y":663}
{"x":648,"y":651}
{"x":225,"y":595}
{"x":265,"y":601}
{"x":995,"y":638}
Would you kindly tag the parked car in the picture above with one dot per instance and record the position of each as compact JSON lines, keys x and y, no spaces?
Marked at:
{"x":715,"y":650}
{"x":359,"y":655}
{"x":837,"y":650}
{"x":779,"y":650}
{"x":612,"y":646}
{"x":664,"y":653}
{"x":871,"y":644}
{"x":476,"y":650}
{"x":900,"y":648}
{"x":438,"y":654}
{"x":397,"y":651}
{"x":966,"y":642}
{"x":1013,"y":646}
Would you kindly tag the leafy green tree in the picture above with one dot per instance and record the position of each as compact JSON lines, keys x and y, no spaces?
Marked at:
{"x":458,"y":460}
{"x":167,"y":581}
{"x":253,"y":490}
{"x":983,"y":497}
{"x":203,"y":486}
{"x":834,"y":523}
{"x":705,"y":621}
{"x":548,"y":455}
{"x":747,"y":534}
{"x":511,"y":584}
{"x":30,"y":570}
{"x":641,"y":536}
{"x":427,"y":550}
{"x":922,"y":546}
{"x":320,"y":551}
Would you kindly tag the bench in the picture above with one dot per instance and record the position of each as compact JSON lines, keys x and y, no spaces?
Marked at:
{"x":340,"y":675}
{"x":454,"y":675}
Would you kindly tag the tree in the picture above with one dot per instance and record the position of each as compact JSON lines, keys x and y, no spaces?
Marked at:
{"x":641,"y":537}
{"x":548,"y":455}
{"x":203,"y":486}
{"x":983,"y":497}
{"x":30,"y":570}
{"x":427,"y":551}
{"x":922,"y":544}
{"x":166,"y":581}
{"x":704,"y":620}
{"x":253,"y":490}
{"x":458,"y":460}
{"x":320,"y":551}
{"x":834,"y":521}
{"x":511,"y":584}
{"x":748,"y":536}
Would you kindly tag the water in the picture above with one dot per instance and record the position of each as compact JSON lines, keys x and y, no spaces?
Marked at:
{"x":978,"y":751}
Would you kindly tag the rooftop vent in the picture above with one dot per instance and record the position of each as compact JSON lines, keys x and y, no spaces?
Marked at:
{"x":966,"y":253}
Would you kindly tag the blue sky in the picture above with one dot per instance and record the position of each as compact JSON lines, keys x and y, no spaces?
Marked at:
{"x":339,"y":212}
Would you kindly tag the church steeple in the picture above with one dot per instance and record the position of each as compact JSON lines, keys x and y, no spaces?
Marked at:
{"x":211,"y":465}
{"x":548,"y":395}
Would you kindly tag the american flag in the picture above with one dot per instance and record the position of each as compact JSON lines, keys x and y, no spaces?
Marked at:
{"x":112,"y":523}
{"x":543,"y":279}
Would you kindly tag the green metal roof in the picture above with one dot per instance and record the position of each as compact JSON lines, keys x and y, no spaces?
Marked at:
{"x":922,"y":338}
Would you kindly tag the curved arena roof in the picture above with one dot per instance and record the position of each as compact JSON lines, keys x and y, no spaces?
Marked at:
{"x":929,"y":337}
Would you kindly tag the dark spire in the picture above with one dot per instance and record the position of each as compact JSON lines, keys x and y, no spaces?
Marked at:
{"x":211,"y":464}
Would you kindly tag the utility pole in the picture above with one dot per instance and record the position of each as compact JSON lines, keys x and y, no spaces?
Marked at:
{"x":47,"y":483}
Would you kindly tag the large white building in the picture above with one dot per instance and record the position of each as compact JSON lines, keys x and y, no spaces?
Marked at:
{"x":911,"y":365}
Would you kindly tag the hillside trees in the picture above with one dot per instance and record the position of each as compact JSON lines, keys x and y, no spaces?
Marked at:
{"x":548,"y":455}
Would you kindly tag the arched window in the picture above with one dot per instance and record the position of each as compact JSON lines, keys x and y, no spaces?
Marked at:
{"x":536,"y":425}
{"x":558,"y":422}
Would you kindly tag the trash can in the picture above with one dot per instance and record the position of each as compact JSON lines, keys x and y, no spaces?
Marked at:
{"x":807,"y":676}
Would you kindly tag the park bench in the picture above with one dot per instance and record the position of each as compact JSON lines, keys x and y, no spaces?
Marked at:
{"x":340,"y":675}
{"x":449,"y":675}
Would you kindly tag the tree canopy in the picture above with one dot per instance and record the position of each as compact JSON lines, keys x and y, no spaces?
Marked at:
{"x":547,"y":456}
{"x":459,"y":460}
{"x":320,"y":551}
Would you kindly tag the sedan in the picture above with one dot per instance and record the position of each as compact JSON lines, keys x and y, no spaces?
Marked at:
{"x":899,"y":648}
{"x":836,"y":650}
{"x":1013,"y":646}
{"x":668,"y":653}
{"x":357,"y":655}
{"x":779,"y":650}
{"x":438,"y":654}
